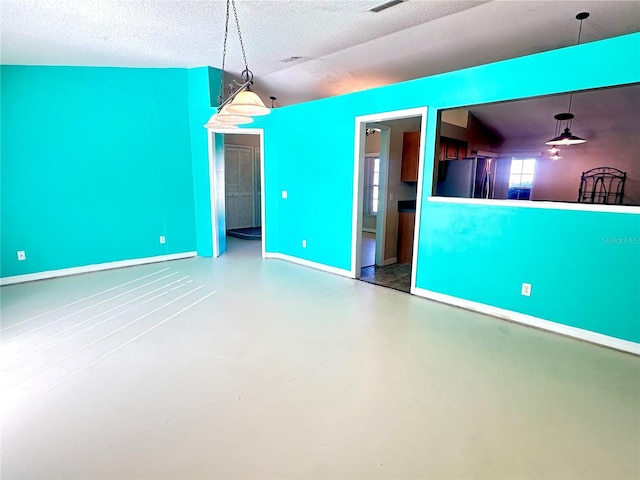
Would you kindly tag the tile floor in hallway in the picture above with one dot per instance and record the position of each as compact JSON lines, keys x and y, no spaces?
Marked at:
{"x":240,"y":367}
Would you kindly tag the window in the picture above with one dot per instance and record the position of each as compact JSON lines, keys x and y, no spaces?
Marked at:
{"x":371,"y":184}
{"x":521,"y":178}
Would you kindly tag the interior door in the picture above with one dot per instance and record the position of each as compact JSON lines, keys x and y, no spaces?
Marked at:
{"x":239,"y":186}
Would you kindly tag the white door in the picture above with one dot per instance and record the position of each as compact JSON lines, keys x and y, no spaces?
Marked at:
{"x":239,"y":186}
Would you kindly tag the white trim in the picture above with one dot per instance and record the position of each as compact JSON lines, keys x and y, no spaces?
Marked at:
{"x":212,"y":192}
{"x":369,"y":230}
{"x":358,"y":160}
{"x":393,"y":115}
{"x":583,"y":207}
{"x":63,"y":272}
{"x":308,"y":263}
{"x":383,"y":194}
{"x":263,"y":224}
{"x":213,"y":175}
{"x":416,"y":227}
{"x":390,"y":261}
{"x":356,"y":210}
{"x":579,"y":333}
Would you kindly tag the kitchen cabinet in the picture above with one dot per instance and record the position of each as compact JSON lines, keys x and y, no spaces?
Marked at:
{"x":452,"y":149}
{"x":410,"y":155}
{"x":406,"y":224}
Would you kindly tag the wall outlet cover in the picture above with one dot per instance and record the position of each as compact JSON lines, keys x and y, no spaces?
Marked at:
{"x":304,"y":244}
{"x":526,"y":289}
{"x":284,"y":194}
{"x":162,"y":239}
{"x":21,"y":255}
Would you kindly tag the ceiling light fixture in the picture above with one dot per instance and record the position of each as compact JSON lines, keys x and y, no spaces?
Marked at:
{"x":566,"y":137}
{"x":240,"y":103}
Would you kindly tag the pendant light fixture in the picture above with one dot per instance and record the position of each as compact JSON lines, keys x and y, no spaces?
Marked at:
{"x":566,"y":137}
{"x":565,"y":119}
{"x":240,"y":103}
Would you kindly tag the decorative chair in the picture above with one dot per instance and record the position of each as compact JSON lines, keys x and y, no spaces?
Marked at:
{"x":602,"y":185}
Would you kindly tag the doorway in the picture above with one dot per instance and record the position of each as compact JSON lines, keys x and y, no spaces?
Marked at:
{"x":385,"y":197}
{"x":242,"y":186}
{"x":237,"y":189}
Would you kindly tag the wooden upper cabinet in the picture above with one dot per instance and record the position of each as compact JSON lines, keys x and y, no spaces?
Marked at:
{"x":410,"y":154}
{"x":451,"y":149}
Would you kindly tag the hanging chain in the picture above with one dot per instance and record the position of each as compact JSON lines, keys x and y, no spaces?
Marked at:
{"x":244,"y":55}
{"x":246,"y":74}
{"x":224,"y":55}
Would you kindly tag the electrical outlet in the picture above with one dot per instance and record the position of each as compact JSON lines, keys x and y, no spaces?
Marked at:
{"x":526,"y":289}
{"x":304,"y":244}
{"x":21,"y":255}
{"x":163,"y":239}
{"x":284,"y":194}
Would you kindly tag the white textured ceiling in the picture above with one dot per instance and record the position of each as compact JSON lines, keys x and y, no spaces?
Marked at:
{"x":342,"y":46}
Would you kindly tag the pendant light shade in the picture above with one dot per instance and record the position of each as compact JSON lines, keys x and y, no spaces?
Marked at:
{"x":248,"y":103}
{"x":215,"y":124}
{"x":229,"y":118}
{"x":566,"y":138}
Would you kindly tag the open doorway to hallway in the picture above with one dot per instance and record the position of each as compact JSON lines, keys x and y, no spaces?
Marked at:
{"x":243,"y":189}
{"x":388,"y":159}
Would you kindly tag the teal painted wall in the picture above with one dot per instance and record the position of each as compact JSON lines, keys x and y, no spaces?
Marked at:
{"x":95,"y":166}
{"x":202,"y":83}
{"x":465,"y":250}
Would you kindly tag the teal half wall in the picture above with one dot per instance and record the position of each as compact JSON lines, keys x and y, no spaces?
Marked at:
{"x":473,"y":252}
{"x":96,"y":165}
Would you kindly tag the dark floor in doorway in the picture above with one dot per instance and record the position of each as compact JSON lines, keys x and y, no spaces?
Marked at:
{"x":252,"y":233}
{"x":397,"y":276}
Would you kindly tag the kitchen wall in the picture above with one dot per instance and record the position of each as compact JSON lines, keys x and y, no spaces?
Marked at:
{"x":477,"y":136}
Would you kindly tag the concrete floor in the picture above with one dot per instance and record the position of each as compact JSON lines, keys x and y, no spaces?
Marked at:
{"x":273,"y":370}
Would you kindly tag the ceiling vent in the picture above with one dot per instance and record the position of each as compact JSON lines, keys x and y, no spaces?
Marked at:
{"x":385,"y":5}
{"x":290,"y":59}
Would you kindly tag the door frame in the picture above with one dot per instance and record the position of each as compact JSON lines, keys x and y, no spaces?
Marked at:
{"x":381,"y":216}
{"x":217,"y":193}
{"x":358,"y":184}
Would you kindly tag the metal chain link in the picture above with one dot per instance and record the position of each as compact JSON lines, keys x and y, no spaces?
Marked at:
{"x":224,"y":55}
{"x":244,"y":55}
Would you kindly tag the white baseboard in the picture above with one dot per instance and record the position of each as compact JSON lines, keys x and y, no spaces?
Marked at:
{"x":586,"y":335}
{"x":29,"y":277}
{"x":390,"y":261}
{"x":309,"y":263}
{"x":369,"y":230}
